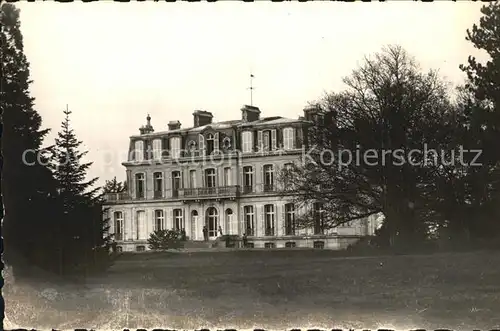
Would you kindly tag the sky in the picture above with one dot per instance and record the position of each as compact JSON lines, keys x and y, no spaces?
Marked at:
{"x":114,"y":63}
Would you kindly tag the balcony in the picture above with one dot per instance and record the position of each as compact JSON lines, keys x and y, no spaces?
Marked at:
{"x":208,"y":192}
{"x":260,"y":188}
{"x":247,"y":189}
{"x":269,"y":232}
{"x":269,"y":188}
{"x":117,"y":196}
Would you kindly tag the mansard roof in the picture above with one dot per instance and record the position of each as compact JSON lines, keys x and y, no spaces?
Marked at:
{"x":267,"y":121}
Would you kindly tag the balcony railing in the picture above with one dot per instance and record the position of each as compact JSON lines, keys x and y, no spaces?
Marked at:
{"x":218,"y":191}
{"x":182,"y":193}
{"x":260,"y":188}
{"x":269,"y":232}
{"x":117,"y":196}
{"x":118,"y":236}
{"x":269,"y":187}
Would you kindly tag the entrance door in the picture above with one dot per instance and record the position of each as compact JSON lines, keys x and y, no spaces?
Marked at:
{"x":212,"y":221}
{"x":229,"y":226}
{"x":195,"y":235}
{"x":141,"y":225}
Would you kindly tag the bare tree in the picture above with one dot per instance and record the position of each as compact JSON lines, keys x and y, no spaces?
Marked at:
{"x":358,"y":161}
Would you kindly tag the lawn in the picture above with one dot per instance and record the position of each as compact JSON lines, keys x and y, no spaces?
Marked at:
{"x":273,"y":290}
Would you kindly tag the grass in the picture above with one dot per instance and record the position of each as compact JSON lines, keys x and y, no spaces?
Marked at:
{"x":272,"y":289}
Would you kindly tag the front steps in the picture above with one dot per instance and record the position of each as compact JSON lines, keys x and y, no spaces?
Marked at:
{"x":198,"y":244}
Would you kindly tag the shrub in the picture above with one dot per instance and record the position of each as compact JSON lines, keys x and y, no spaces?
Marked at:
{"x":165,"y":239}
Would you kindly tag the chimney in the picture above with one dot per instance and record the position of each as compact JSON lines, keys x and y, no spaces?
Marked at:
{"x":310,"y":112}
{"x":174,"y":125}
{"x":202,"y":117}
{"x":250,"y":113}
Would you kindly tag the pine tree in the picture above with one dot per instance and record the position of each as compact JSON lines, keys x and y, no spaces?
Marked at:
{"x":70,"y":173}
{"x":82,"y":220}
{"x":29,"y":190}
{"x":114,"y":186}
{"x":482,"y":103}
{"x":484,"y":79}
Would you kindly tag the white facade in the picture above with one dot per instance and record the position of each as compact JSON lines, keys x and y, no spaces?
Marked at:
{"x":200,"y":178}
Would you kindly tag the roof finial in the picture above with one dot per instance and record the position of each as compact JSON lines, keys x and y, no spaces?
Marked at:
{"x":148,"y":128}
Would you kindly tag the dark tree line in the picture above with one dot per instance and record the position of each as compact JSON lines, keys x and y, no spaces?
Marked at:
{"x":359,"y":159}
{"x":53,"y":216}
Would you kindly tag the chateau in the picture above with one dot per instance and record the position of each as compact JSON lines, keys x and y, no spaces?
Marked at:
{"x":222,"y":176}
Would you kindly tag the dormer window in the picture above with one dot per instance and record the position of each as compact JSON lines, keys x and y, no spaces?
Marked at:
{"x":210,"y":143}
{"x":192,"y":146}
{"x":157,"y":149}
{"x":226,"y":143}
{"x":175,"y":147}
{"x":139,"y":150}
{"x":246,"y":141}
{"x":267,"y":140}
{"x":288,"y":138}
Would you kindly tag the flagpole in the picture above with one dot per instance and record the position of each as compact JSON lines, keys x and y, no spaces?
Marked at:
{"x":251,"y":89}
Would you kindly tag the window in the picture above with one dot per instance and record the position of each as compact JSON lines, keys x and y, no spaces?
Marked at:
{"x":288,"y":138}
{"x":201,"y":144}
{"x":159,"y":220}
{"x":178,"y":220}
{"x":290,"y":244}
{"x":212,"y":222}
{"x":250,"y":245}
{"x":119,"y":249}
{"x":246,"y":141}
{"x":210,"y":179}
{"x":269,"y":245}
{"x":269,"y":219}
{"x":319,"y":244}
{"x":118,"y":225}
{"x":318,"y":214}
{"x":175,"y":147}
{"x":139,"y":186}
{"x":141,"y":225}
{"x":192,"y":146}
{"x":157,"y":149}
{"x":268,"y":178}
{"x":267,"y":140}
{"x":176,"y":182}
{"x":289,"y":219}
{"x":192,"y":178}
{"x":148,"y":149}
{"x":227,"y":176}
{"x":158,"y":184}
{"x":247,"y":179}
{"x":139,"y":150}
{"x":140,"y":248}
{"x":210,"y":143}
{"x":248,"y":215}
